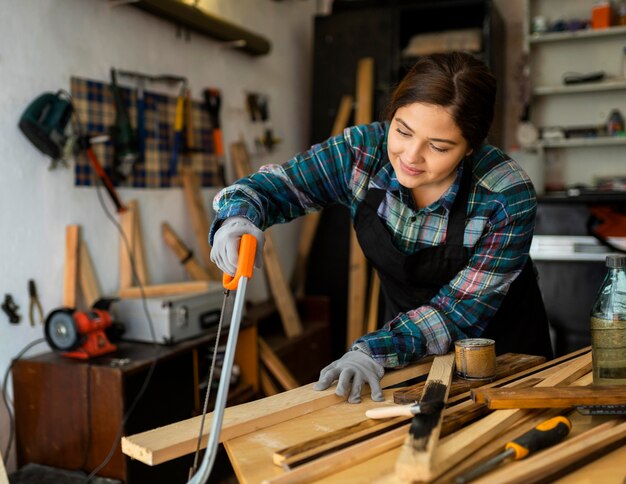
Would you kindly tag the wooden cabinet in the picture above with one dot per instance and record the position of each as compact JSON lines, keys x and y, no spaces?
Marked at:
{"x":574,"y":146}
{"x":68,"y":412}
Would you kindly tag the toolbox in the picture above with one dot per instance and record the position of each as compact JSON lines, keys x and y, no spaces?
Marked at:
{"x":174,"y":318}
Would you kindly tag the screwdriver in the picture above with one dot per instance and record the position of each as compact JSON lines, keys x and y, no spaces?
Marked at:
{"x":539,"y":437}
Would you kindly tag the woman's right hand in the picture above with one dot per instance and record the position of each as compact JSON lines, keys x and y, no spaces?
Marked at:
{"x":225,"y":251}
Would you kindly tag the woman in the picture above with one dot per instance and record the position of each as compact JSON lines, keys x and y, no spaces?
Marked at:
{"x":445,"y":220}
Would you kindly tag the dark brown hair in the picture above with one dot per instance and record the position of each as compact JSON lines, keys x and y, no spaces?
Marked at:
{"x":457,"y":81}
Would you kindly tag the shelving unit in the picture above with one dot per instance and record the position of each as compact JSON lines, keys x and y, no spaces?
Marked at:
{"x":572,"y":161}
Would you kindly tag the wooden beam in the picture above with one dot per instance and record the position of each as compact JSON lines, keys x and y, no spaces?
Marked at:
{"x":127,"y":243}
{"x":416,"y":457}
{"x":283,"y":297}
{"x":199,"y":219}
{"x":267,"y":384}
{"x":89,"y":286}
{"x":169,"y":289}
{"x":4,"y":478}
{"x":276,"y":367}
{"x":171,"y":441}
{"x":357,"y":269}
{"x":139,"y":252}
{"x":184,"y":254}
{"x":556,"y":397}
{"x":372,"y":311}
{"x":311,"y":221}
{"x":70,"y":281}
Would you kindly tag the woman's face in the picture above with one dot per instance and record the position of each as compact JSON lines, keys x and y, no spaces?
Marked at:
{"x":425,"y":146}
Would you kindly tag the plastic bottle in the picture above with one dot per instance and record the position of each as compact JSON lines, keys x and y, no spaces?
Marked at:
{"x":608,"y":325}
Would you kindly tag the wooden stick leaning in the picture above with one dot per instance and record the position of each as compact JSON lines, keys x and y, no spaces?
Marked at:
{"x":184,"y":254}
{"x":89,"y":286}
{"x":175,"y":440}
{"x":416,"y":457}
{"x":70,"y":281}
{"x":283,"y":297}
{"x":311,"y":221}
{"x":276,"y":367}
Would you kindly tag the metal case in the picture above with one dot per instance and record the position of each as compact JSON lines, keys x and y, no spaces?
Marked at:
{"x":174,"y":318}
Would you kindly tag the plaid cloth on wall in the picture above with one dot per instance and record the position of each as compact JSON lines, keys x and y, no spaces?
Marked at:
{"x":95,"y":109}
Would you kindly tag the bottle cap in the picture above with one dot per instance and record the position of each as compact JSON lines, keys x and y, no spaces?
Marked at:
{"x":615,"y":261}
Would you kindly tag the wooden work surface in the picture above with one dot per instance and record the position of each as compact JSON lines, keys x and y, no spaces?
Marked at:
{"x":252,"y":454}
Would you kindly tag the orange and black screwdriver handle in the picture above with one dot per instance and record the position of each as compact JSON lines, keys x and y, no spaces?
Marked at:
{"x":245,"y":265}
{"x":543,"y":435}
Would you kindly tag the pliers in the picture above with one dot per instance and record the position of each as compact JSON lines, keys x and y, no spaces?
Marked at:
{"x":34,"y":303}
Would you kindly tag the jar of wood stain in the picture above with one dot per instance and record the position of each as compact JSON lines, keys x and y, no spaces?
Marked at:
{"x":475,"y":358}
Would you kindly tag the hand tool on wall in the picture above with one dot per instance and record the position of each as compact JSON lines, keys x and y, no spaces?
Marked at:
{"x":213,"y":103}
{"x":44,"y":122}
{"x":34,"y":304}
{"x":123,"y":136}
{"x":233,"y":310}
{"x":85,"y":144}
{"x":10,"y":309}
{"x":544,"y":435}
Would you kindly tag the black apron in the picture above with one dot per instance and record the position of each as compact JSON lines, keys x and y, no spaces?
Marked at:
{"x":408,"y":281}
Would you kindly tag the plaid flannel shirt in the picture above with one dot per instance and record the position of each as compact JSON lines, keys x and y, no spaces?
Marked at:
{"x":499,"y":227}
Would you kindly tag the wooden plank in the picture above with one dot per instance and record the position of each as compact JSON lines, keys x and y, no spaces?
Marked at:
{"x":571,"y":453}
{"x":184,"y":254}
{"x":372,"y":312}
{"x":283,"y":297}
{"x":556,"y":397}
{"x":471,"y":438}
{"x":357,"y":272}
{"x":127,"y":243}
{"x":169,"y":289}
{"x":416,"y":457}
{"x":311,"y":221}
{"x":4,"y":478}
{"x":89,"y":286}
{"x":267,"y":385}
{"x":139,"y":253}
{"x":171,"y":441}
{"x":70,"y":280}
{"x":276,"y":367}
{"x":506,"y":365}
{"x":199,"y":219}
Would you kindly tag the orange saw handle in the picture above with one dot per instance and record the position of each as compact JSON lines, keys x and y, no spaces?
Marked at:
{"x":245,"y":265}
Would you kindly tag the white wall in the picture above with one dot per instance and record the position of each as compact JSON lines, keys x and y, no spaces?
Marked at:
{"x":45,"y":42}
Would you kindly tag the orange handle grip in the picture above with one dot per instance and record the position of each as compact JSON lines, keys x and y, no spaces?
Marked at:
{"x":245,"y":266}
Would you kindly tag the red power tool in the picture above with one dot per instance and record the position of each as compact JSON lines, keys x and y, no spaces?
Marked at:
{"x":79,"y":334}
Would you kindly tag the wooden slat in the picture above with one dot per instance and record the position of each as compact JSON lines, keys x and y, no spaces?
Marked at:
{"x":357,"y":272}
{"x":267,"y":385}
{"x":139,"y":252}
{"x":276,"y":367}
{"x":169,"y":289}
{"x":471,"y":438}
{"x":416,"y":463}
{"x":569,"y":454}
{"x":89,"y":286}
{"x":171,"y":441}
{"x":70,"y":281}
{"x":311,"y":221}
{"x":283,"y":297}
{"x":4,"y":478}
{"x":556,"y":397}
{"x":184,"y":255}
{"x":372,"y":311}
{"x":199,"y":219}
{"x":127,"y":243}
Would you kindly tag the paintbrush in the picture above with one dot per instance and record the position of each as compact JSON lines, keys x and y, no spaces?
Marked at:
{"x":422,"y":407}
{"x":422,"y":424}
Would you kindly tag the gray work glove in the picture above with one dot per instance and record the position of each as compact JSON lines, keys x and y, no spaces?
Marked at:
{"x":225,"y":251}
{"x":353,"y":369}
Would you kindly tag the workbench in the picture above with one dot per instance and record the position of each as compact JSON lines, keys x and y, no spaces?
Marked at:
{"x":252,"y":455}
{"x":254,"y":432}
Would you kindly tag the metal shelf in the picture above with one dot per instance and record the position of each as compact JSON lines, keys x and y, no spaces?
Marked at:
{"x":583,"y":142}
{"x":576,"y":35}
{"x":611,"y":85}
